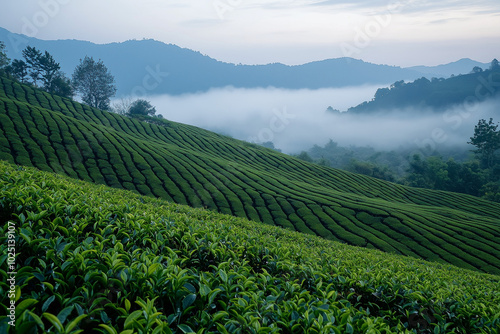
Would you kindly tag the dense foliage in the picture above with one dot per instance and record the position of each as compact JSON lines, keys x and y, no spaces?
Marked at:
{"x":96,"y":259}
{"x":467,"y":177}
{"x":191,"y":166}
{"x":141,"y":107}
{"x":478,"y":177}
{"x":385,"y":165}
{"x":43,"y":70}
{"x":487,"y":141}
{"x":450,"y":170}
{"x":91,"y":78}
{"x":94,"y":82}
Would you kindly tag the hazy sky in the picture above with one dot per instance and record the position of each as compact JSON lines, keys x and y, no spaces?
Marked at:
{"x":404,"y":33}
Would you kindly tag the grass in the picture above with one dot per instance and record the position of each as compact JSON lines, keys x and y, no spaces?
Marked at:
{"x":188,"y":165}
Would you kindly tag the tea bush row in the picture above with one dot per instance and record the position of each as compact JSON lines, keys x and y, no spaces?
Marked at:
{"x":196,"y":167}
{"x":97,"y":259}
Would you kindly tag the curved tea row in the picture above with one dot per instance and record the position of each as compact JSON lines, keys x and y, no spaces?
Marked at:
{"x":188,"y":165}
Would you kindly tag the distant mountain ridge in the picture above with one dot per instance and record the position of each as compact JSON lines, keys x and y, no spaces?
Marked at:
{"x":150,"y":67}
{"x":462,"y":66}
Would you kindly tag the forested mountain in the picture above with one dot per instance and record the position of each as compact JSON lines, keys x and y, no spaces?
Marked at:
{"x":438,"y":93}
{"x":150,"y":67}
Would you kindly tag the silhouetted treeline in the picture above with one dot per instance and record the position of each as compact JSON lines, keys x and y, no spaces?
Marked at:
{"x":437,"y":93}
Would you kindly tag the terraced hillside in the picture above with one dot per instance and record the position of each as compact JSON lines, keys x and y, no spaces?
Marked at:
{"x":192,"y":166}
{"x":93,"y":259}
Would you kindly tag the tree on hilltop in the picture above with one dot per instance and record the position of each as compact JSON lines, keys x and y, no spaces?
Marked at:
{"x":40,"y":66}
{"x":121,"y":107}
{"x":60,"y":85}
{"x":494,"y":66}
{"x":94,"y":82}
{"x":141,"y":108}
{"x":304,"y":156}
{"x":477,"y":69}
{"x":487,"y":140}
{"x":32,"y":58}
{"x":49,"y":70}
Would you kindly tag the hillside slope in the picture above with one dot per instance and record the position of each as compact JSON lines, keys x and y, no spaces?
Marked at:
{"x":437,"y":94}
{"x":192,"y":166}
{"x":94,"y":259}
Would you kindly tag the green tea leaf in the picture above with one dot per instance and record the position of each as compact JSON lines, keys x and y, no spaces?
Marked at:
{"x":185,"y":329}
{"x":188,"y":300}
{"x":204,"y":290}
{"x":75,"y":322}
{"x":223,"y":275}
{"x":23,"y":305}
{"x":54,"y":321}
{"x":131,"y":318}
{"x":108,"y":329}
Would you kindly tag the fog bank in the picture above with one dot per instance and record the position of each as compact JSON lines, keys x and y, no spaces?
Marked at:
{"x":295,"y":120}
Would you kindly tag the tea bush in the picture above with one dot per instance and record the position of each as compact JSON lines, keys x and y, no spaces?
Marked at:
{"x":93,"y":259}
{"x":192,"y":166}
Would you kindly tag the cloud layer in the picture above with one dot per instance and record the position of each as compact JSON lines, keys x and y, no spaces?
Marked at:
{"x":261,"y":31}
{"x":295,"y":120}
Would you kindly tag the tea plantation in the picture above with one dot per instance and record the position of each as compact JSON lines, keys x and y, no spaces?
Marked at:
{"x":188,"y":165}
{"x":94,"y":259}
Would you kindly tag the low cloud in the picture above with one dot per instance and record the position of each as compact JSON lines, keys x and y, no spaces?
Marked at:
{"x":295,"y":120}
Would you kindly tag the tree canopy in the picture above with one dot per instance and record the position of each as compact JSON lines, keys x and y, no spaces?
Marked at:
{"x":49,"y":70}
{"x":60,"y":85}
{"x":141,"y":108}
{"x":494,"y":66}
{"x":44,"y":71}
{"x":94,"y":82}
{"x":19,"y":70}
{"x":487,"y":140}
{"x":32,"y":58}
{"x":480,"y":177}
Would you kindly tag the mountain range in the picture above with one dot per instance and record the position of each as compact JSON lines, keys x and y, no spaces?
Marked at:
{"x":149,"y":67}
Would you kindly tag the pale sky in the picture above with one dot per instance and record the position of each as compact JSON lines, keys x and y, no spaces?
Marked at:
{"x":403,"y":33}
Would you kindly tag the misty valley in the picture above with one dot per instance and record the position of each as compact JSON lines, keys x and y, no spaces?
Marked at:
{"x":147,"y":188}
{"x":418,"y":144}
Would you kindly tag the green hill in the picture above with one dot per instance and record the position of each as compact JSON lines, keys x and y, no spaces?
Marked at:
{"x":93,"y":259}
{"x":188,"y":165}
{"x":437,"y":94}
